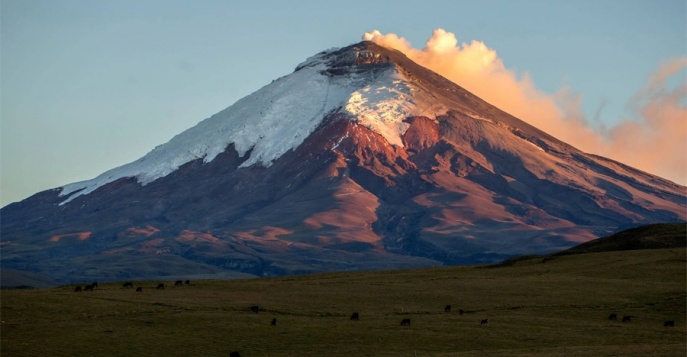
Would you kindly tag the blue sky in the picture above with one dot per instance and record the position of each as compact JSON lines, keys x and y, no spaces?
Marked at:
{"x":86,"y":86}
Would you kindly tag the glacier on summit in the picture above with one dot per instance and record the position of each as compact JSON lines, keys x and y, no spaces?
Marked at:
{"x":280,"y":116}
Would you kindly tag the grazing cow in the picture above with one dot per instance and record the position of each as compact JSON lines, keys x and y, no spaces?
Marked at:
{"x":274,"y":322}
{"x":178,"y":283}
{"x":187,"y":282}
{"x":255,"y":309}
{"x":88,"y":288}
{"x":461,"y":312}
{"x":405,"y":322}
{"x":160,"y":286}
{"x":447,"y":308}
{"x":128,"y":284}
{"x":484,"y":322}
{"x":234,"y":354}
{"x":613,"y":317}
{"x":669,"y":323}
{"x":77,"y":289}
{"x":627,"y":318}
{"x":355,"y":316}
{"x":139,"y":289}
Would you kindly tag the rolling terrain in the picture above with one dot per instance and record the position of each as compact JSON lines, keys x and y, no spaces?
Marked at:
{"x":535,"y":307}
{"x":652,"y":236}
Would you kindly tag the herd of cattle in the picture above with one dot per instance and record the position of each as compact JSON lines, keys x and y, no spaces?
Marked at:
{"x":628,"y":318}
{"x":355,"y":316}
{"x":129,"y":284}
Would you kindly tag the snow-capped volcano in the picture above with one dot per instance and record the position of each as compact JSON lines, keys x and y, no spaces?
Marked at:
{"x":281,"y":115}
{"x":359,"y":159}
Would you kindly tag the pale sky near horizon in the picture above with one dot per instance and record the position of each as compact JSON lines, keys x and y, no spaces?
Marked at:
{"x":86,"y":86}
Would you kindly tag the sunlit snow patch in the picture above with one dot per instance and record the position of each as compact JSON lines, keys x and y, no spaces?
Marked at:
{"x":383,"y":105}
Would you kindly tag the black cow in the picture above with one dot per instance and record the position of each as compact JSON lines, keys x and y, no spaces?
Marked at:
{"x":128,"y":284}
{"x":461,"y":312}
{"x":355,"y":316}
{"x":139,"y":289}
{"x":405,"y":322}
{"x":178,"y":283}
{"x":484,"y":322}
{"x":274,"y":322}
{"x":88,"y":288}
{"x":77,"y":289}
{"x":613,"y":317}
{"x":255,"y":308}
{"x":160,"y":286}
{"x":234,"y":354}
{"x":669,"y":323}
{"x":187,"y":282}
{"x":627,"y":318}
{"x":447,"y":308}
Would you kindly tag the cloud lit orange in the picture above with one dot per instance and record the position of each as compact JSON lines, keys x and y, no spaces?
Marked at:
{"x":653,"y":139}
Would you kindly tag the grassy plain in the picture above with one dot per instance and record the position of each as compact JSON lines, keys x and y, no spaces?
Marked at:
{"x":539,"y":307}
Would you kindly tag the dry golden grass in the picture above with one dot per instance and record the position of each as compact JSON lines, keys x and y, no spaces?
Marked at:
{"x":558,"y":307}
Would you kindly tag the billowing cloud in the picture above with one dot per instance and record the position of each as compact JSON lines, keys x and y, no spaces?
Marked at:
{"x":653,"y":139}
